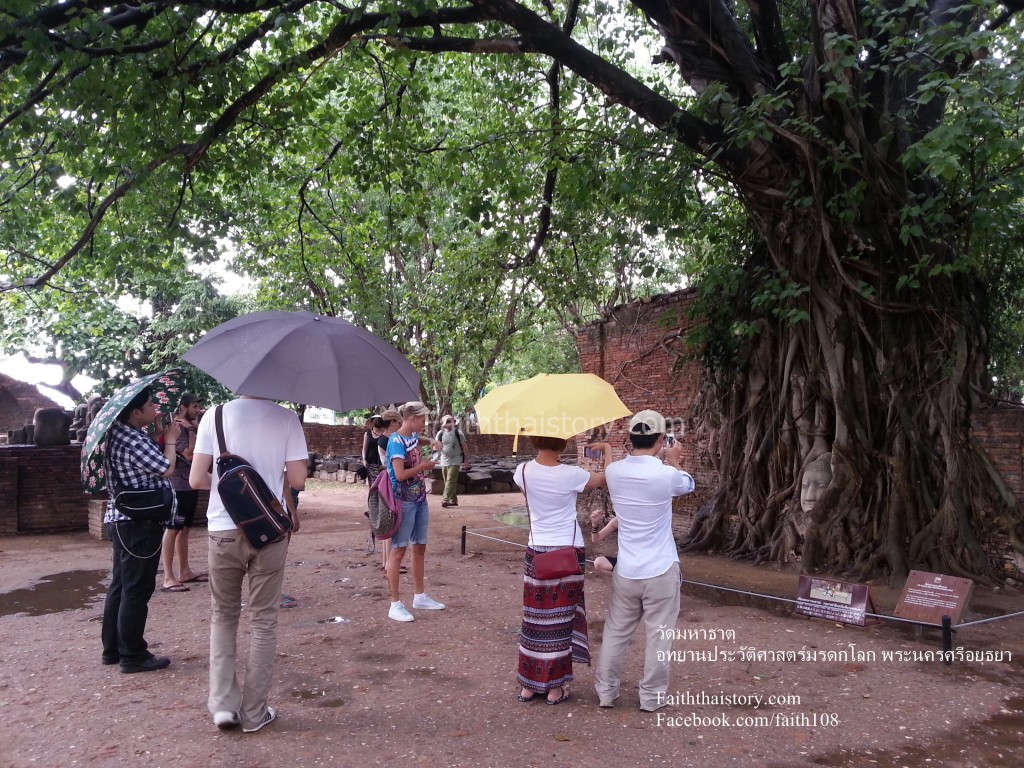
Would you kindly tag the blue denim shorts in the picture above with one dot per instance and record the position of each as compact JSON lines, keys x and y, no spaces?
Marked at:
{"x":413,"y":529}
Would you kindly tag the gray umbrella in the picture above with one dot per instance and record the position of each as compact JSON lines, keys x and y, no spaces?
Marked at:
{"x":304,"y":358}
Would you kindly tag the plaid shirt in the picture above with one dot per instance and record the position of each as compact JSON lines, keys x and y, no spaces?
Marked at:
{"x":134,"y":461}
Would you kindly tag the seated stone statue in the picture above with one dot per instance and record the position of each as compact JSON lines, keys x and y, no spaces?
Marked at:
{"x":95,"y":403}
{"x":78,"y":422}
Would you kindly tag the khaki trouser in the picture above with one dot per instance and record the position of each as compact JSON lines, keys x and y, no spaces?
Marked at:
{"x":451,"y":483}
{"x":655,"y":601}
{"x":231,"y":558}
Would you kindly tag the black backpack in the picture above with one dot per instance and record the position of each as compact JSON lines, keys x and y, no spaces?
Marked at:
{"x":255,"y":509}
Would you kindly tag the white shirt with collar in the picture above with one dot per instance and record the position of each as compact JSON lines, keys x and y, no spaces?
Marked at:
{"x":642,"y":489}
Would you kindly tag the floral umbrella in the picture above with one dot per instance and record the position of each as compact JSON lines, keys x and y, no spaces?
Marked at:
{"x":167,"y":389}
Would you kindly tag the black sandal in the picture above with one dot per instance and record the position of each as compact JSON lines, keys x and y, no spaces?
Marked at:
{"x":559,"y":700}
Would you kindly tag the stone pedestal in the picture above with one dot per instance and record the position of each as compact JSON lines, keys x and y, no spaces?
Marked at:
{"x":97,"y":508}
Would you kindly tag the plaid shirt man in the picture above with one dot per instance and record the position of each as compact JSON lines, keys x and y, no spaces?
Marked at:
{"x":133,"y":461}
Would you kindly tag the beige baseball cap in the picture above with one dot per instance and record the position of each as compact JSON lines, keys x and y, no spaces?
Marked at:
{"x":647,"y":423}
{"x":414,"y":408}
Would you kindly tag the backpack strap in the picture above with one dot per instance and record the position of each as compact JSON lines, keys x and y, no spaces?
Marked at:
{"x":218,"y":417}
{"x":289,"y":502}
{"x":462,"y":444}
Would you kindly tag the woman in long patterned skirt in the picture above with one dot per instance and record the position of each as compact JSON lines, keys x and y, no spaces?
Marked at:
{"x":554,"y":632}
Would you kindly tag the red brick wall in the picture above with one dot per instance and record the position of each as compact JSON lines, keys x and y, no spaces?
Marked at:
{"x":8,"y":494}
{"x":629,"y":350}
{"x":49,"y":490}
{"x":1000,"y":431}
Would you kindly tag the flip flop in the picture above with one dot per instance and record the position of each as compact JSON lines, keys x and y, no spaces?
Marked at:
{"x":287,"y":601}
{"x":559,"y":700}
{"x":175,"y":588}
{"x":199,"y":577}
{"x":528,"y":699}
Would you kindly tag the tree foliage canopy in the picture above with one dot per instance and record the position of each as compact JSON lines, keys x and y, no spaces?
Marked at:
{"x":453,"y":204}
{"x":846,"y":174}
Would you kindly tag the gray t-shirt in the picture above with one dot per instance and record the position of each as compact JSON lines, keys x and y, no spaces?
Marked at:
{"x":451,"y":449}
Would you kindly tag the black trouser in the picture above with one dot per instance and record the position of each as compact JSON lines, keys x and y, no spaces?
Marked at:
{"x":132,"y":581}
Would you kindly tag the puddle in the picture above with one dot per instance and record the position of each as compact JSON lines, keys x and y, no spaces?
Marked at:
{"x":59,"y":592}
{"x":335,"y":620}
{"x":515,"y":517}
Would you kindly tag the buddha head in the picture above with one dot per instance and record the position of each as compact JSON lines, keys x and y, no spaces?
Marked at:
{"x":815,"y":479}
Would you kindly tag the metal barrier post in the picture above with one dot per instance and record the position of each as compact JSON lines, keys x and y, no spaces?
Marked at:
{"x":947,"y":639}
{"x":463,"y":549}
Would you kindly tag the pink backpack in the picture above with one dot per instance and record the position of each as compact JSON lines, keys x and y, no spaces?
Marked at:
{"x":385,"y":510}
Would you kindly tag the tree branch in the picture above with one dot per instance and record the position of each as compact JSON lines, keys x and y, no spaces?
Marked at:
{"x":542,"y":37}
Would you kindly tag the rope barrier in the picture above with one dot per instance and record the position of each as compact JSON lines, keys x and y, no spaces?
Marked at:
{"x":946,"y":628}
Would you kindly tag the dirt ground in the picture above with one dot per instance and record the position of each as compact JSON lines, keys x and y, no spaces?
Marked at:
{"x":354,"y":688}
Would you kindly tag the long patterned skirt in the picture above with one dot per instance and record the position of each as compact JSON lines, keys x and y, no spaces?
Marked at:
{"x":554,"y":633}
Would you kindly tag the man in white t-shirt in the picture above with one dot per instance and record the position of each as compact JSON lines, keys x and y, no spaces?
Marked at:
{"x":645,"y":583}
{"x":271,"y":439}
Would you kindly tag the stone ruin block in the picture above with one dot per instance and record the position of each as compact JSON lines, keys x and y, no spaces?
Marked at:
{"x":22,"y":436}
{"x":51,"y":426}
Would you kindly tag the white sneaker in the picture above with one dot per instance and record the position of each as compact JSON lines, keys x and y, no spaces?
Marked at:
{"x":425,"y":602}
{"x":399,"y":612}
{"x":225,"y":720}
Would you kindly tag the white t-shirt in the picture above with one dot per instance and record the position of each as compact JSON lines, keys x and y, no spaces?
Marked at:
{"x":551,"y":493}
{"x":266,"y":434}
{"x":641,"y":489}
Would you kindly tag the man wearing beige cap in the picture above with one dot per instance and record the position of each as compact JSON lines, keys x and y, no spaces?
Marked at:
{"x":645,"y":583}
{"x":454,"y":457}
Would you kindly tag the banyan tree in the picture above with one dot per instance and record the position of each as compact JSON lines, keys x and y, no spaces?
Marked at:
{"x":869,"y":151}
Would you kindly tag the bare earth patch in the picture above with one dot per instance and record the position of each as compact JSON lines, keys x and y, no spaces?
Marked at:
{"x":354,"y":688}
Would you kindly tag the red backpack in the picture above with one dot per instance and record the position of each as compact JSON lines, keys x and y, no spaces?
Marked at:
{"x":385,"y":510}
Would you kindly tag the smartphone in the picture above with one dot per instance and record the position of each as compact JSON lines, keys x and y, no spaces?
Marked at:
{"x":670,"y":439}
{"x":593,"y":453}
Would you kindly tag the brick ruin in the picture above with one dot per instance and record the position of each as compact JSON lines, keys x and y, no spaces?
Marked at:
{"x":631,"y":350}
{"x":40,"y":491}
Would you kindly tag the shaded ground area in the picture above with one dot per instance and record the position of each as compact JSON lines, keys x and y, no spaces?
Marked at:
{"x":354,"y":688}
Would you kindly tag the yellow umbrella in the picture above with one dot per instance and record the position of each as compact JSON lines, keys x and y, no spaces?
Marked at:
{"x":552,"y":405}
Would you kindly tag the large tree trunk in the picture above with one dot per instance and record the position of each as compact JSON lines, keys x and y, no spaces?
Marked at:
{"x":887,"y":387}
{"x":869,"y":335}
